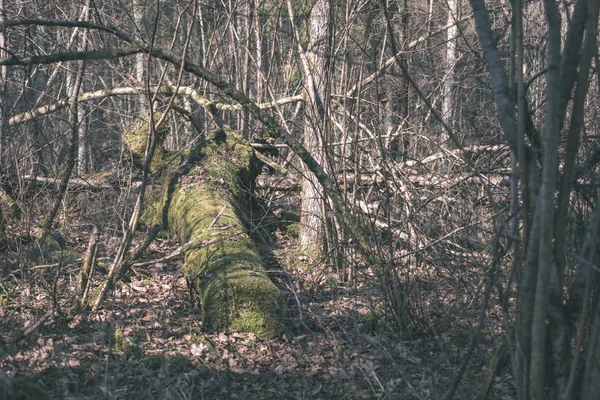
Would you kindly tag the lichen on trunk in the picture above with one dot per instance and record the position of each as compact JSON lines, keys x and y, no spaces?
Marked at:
{"x":206,"y":206}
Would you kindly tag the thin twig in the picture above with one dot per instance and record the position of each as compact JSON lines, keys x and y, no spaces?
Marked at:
{"x":32,"y":328}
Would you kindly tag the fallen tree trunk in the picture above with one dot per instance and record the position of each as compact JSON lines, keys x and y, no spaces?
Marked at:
{"x":207,"y":206}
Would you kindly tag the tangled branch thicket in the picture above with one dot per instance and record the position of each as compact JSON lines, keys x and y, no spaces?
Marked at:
{"x":447,"y":161}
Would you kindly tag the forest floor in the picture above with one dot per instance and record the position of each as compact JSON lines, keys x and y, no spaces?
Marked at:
{"x":148,"y":342}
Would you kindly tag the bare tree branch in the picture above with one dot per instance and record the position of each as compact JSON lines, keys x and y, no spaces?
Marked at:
{"x":164,"y":89}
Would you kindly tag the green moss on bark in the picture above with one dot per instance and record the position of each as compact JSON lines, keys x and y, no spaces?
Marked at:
{"x":136,"y":137}
{"x":206,"y":207}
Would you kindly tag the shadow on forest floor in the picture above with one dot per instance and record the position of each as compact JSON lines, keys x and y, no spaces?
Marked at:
{"x":148,"y":342}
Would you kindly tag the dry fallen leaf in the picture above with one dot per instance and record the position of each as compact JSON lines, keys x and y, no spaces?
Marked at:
{"x":198,"y":349}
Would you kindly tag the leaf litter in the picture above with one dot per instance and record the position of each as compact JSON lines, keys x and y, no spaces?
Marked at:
{"x":149,"y":342}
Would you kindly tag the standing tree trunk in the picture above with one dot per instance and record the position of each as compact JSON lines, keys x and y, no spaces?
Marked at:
{"x":82,"y":143}
{"x":245,"y":21}
{"x":140,"y":58}
{"x":448,"y":88}
{"x":397,"y":104}
{"x":258,"y":38}
{"x":545,"y":205}
{"x":315,"y":66}
{"x":74,"y":83}
{"x":553,"y":323}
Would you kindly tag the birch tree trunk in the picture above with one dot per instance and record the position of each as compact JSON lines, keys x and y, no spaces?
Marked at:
{"x":448,"y":88}
{"x":312,"y":217}
{"x":258,"y":40}
{"x":140,"y":59}
{"x":82,"y":144}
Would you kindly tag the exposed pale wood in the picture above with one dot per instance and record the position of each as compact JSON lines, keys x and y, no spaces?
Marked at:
{"x":163,"y":89}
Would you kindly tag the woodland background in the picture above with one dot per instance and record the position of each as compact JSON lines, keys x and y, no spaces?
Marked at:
{"x":422,"y":192}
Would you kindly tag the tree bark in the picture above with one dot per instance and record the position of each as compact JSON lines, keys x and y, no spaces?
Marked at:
{"x":448,"y":87}
{"x":546,"y":208}
{"x":315,"y":67}
{"x":140,"y":59}
{"x":205,"y":206}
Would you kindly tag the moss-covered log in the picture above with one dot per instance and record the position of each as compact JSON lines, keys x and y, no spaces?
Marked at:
{"x":136,"y":137}
{"x":207,"y":206}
